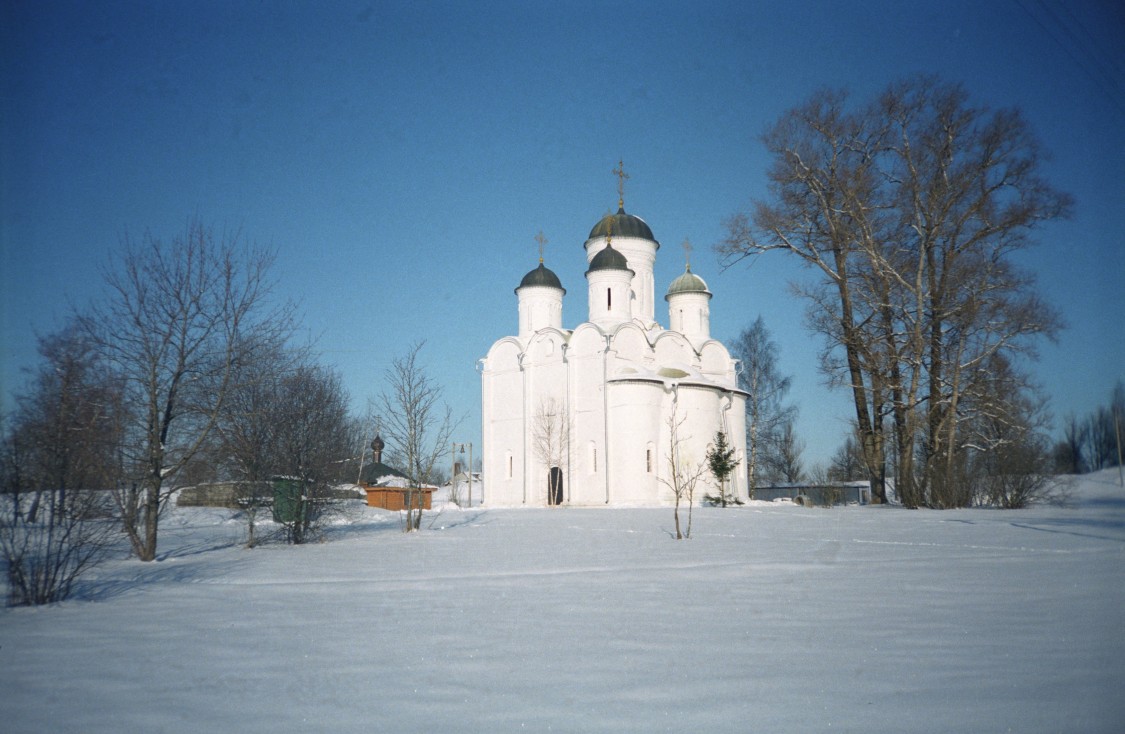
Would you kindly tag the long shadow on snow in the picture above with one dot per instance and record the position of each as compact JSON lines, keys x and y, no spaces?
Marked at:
{"x":147,"y":574}
{"x":1084,"y":522}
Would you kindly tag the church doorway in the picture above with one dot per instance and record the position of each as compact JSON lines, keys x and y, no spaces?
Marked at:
{"x":555,"y":486}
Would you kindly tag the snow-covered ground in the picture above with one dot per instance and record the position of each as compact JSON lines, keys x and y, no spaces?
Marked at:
{"x":772,"y":618}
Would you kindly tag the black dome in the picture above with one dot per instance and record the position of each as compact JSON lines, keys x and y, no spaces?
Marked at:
{"x":609,"y":259}
{"x":623,"y":225}
{"x":541,"y":276}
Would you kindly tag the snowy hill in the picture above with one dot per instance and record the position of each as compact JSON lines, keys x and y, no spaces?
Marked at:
{"x":772,"y":618}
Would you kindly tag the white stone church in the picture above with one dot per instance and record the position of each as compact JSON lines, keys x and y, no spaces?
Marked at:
{"x":584,"y":416}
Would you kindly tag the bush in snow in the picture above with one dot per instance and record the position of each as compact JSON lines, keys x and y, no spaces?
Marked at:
{"x":46,"y":551}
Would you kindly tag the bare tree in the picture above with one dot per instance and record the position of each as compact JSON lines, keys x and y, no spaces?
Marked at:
{"x":418,"y":425}
{"x":684,"y":471}
{"x":57,"y":452}
{"x":180,"y":321}
{"x":1006,"y":458}
{"x":315,"y":439}
{"x":911,"y":208}
{"x":817,"y":178}
{"x":550,"y":440}
{"x":1070,"y":453}
{"x":846,"y":464}
{"x":1103,"y":431}
{"x":766,"y":412}
{"x":45,"y":556}
{"x":287,"y":423}
{"x":788,"y":465}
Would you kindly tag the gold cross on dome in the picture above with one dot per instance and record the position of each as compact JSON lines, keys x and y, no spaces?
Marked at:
{"x":687,"y":252}
{"x":542,"y":242}
{"x":621,"y":177}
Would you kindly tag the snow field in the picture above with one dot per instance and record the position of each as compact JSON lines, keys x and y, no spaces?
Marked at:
{"x":771,"y":618}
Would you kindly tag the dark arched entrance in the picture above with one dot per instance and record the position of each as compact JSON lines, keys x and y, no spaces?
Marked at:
{"x":555,"y":486}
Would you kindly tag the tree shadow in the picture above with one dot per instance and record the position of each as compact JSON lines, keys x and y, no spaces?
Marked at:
{"x":136,"y":575}
{"x":1064,"y":525}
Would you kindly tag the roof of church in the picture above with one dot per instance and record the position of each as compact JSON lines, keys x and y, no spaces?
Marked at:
{"x":689,"y":282}
{"x":541,"y":276}
{"x":609,"y":259}
{"x":622,"y":224}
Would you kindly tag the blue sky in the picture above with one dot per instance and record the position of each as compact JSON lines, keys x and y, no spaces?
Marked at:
{"x":401,"y":157}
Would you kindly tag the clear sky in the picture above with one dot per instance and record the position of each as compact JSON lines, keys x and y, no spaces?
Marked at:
{"x":400,"y":157}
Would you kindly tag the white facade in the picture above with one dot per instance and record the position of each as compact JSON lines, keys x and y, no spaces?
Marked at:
{"x":593,"y":406}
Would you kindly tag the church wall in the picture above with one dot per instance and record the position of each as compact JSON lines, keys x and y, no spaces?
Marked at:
{"x":502,"y":427}
{"x":673,"y":349}
{"x":630,"y":350}
{"x":736,"y":437}
{"x":716,"y":363}
{"x":635,"y":417}
{"x":588,"y":450}
{"x":608,"y":294}
{"x":690,"y":314}
{"x":545,"y":374}
{"x":539,"y":308}
{"x":700,"y":409}
{"x":618,"y":446}
{"x":641,"y":255}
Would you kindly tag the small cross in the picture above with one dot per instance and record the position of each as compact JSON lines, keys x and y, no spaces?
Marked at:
{"x":621,"y":177}
{"x":687,"y":252}
{"x":542,"y":241}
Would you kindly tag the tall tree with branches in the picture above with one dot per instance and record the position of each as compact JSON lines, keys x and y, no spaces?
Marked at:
{"x":766,"y":411}
{"x":58,"y":452}
{"x":910,"y":207}
{"x":417,"y":423}
{"x":180,"y":321}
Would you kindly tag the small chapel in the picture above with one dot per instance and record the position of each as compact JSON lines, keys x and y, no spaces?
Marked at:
{"x":590,"y":416}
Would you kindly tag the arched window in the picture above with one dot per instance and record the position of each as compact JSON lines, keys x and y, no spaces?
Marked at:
{"x":609,"y":298}
{"x":649,"y":459}
{"x":510,"y":463}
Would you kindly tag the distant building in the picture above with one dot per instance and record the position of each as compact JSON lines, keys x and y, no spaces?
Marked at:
{"x":581,"y":416}
{"x":387,"y":487}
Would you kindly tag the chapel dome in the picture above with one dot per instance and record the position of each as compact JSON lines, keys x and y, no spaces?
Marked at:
{"x":689,"y":282}
{"x":622,"y":224}
{"x":542,"y":277}
{"x":609,"y":259}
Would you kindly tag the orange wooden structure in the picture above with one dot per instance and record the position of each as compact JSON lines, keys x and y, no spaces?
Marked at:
{"x":394,"y":498}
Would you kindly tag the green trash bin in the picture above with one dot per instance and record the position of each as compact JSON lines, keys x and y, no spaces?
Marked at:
{"x":287,"y":504}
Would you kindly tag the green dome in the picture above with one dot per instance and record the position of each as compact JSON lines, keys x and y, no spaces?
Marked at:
{"x":542,"y":277}
{"x":622,"y":225}
{"x":609,"y":259}
{"x":689,"y":282}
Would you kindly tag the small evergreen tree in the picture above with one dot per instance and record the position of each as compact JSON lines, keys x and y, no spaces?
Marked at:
{"x":721,"y":461}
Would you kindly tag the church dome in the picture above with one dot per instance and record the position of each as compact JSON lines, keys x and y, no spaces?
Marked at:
{"x":622,"y":225}
{"x":609,"y":259}
{"x":689,"y":282}
{"x":542,"y":277}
